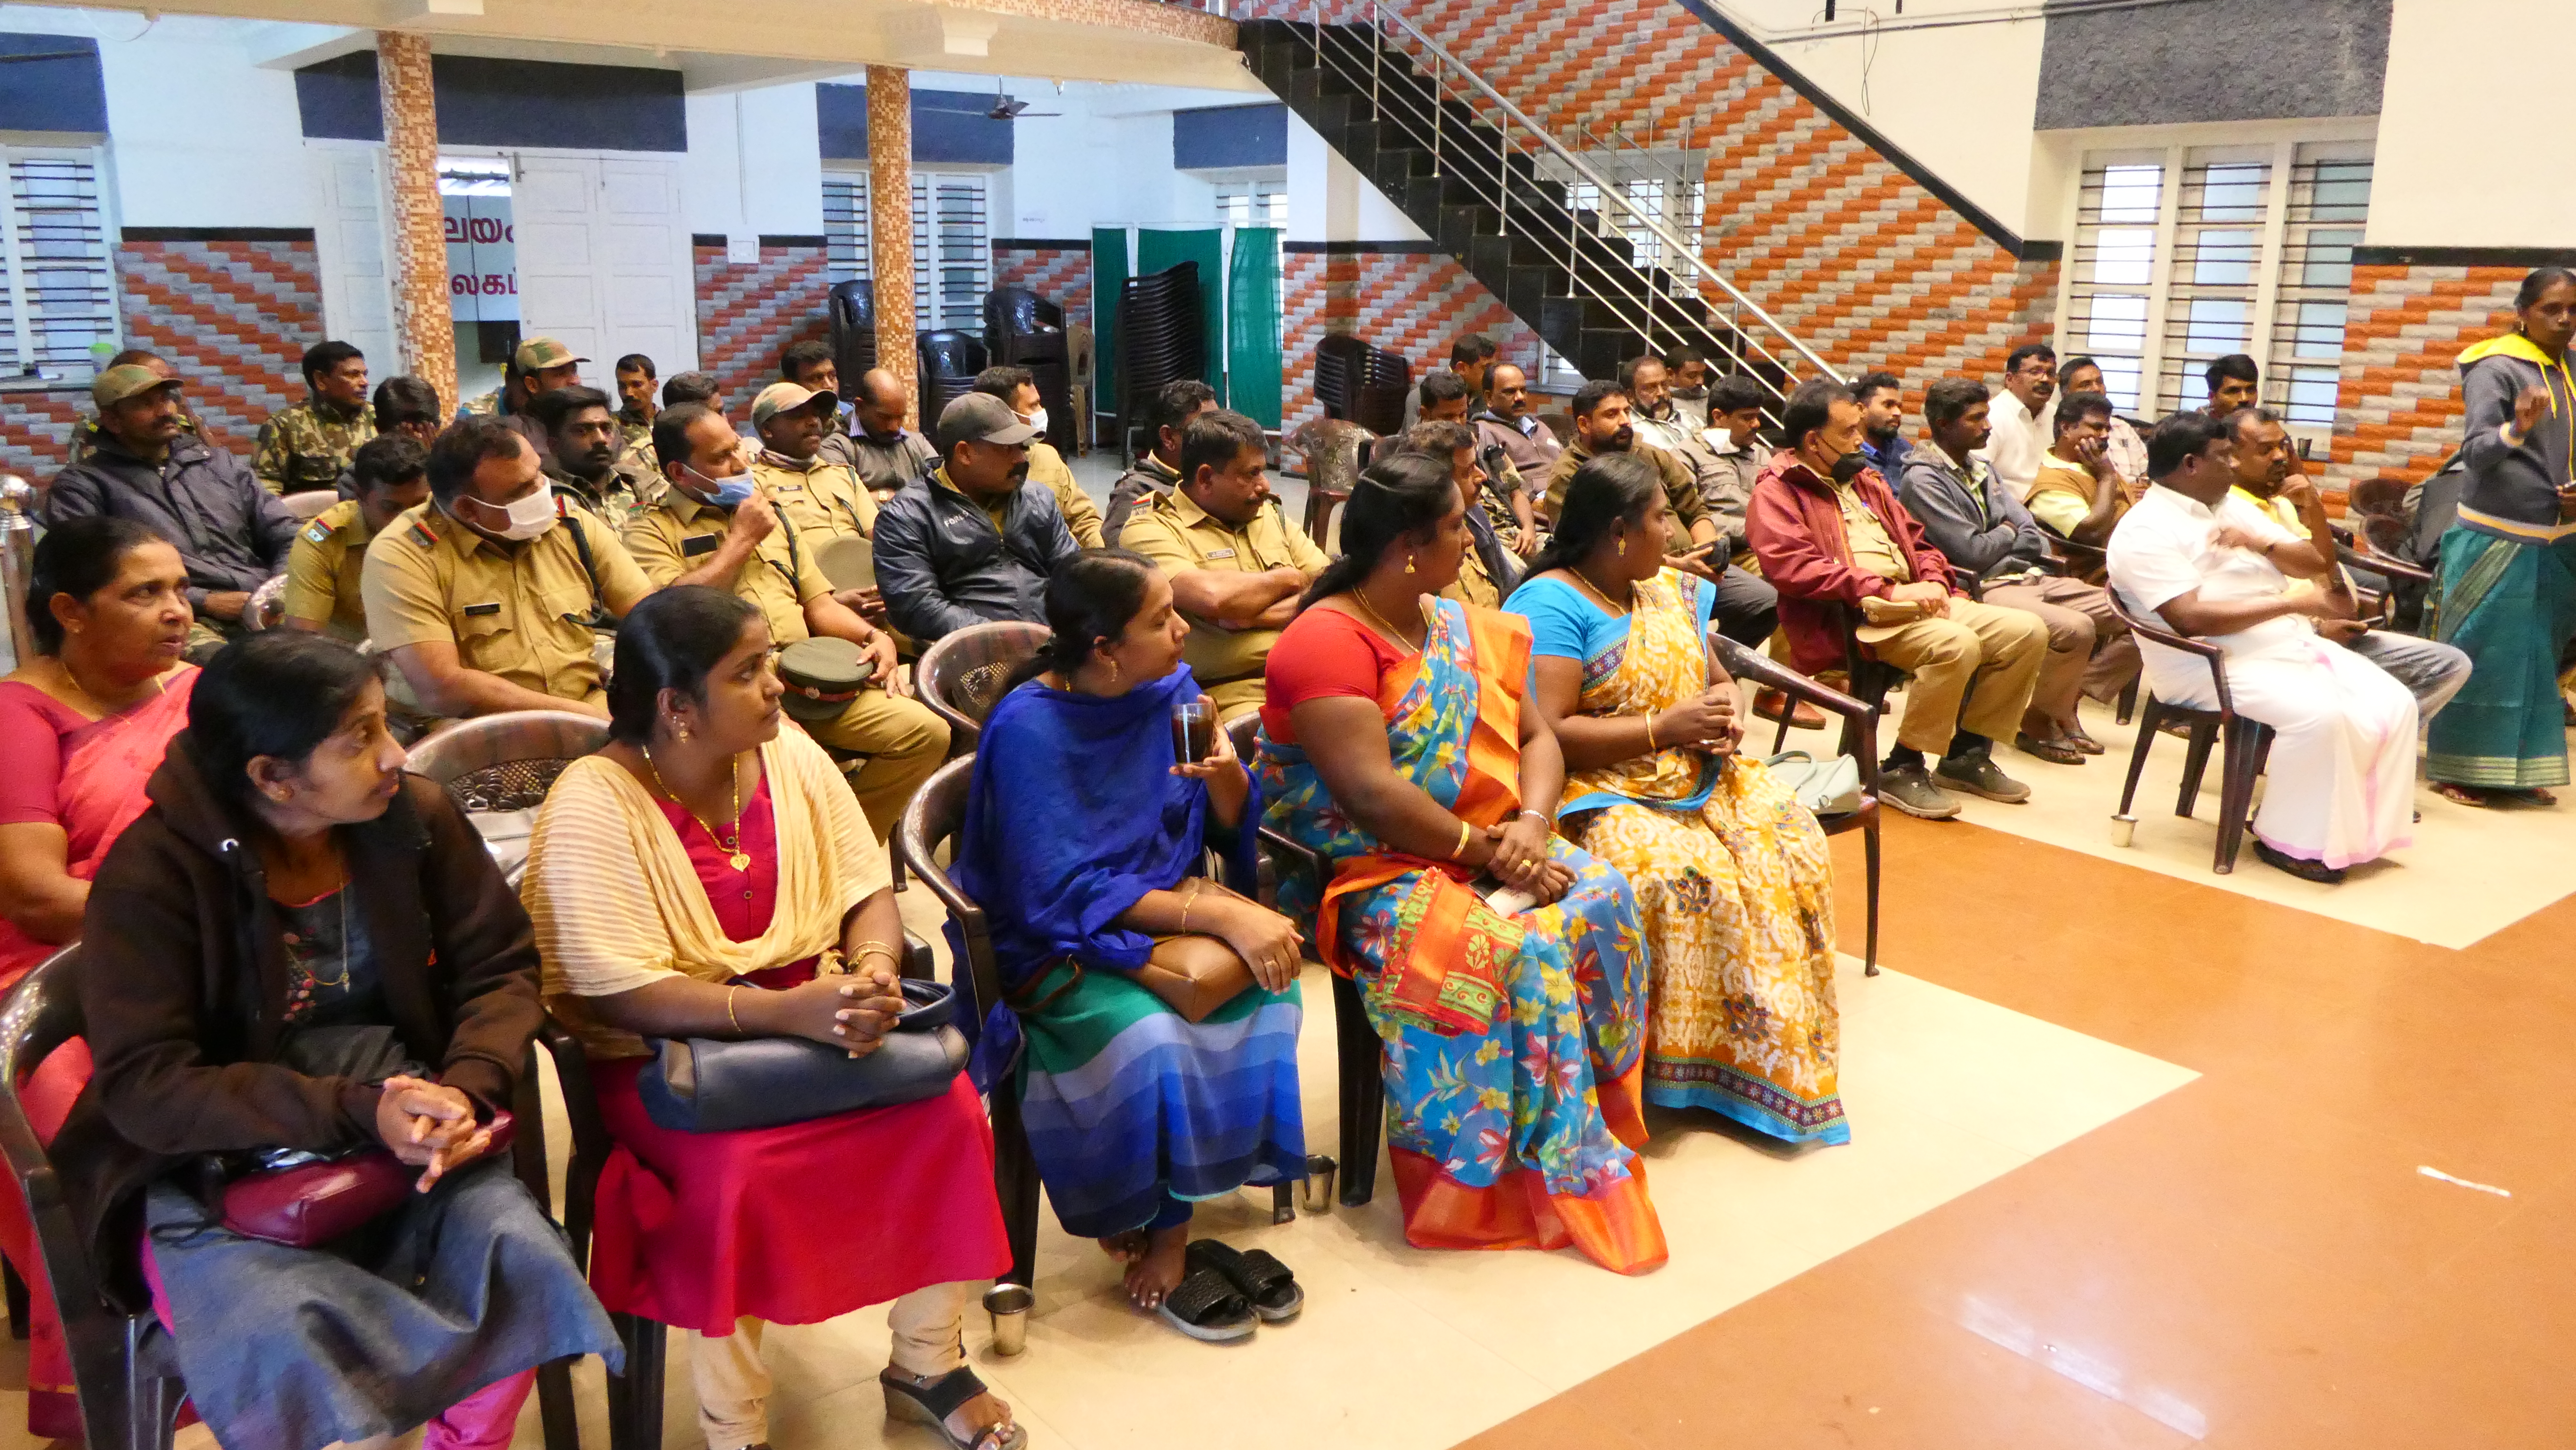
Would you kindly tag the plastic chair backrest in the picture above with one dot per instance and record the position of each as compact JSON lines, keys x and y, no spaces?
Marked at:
{"x":506,"y":762}
{"x":962,"y":672}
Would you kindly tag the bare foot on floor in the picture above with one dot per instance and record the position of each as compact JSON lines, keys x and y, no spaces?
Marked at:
{"x":1155,"y":1273}
{"x":1126,"y":1247}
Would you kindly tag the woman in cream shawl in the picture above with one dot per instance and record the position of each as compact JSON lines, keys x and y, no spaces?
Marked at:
{"x":708,"y":874}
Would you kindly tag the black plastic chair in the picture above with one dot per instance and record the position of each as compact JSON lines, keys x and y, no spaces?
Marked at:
{"x":851,"y":308}
{"x":931,"y":820}
{"x":634,"y":1397}
{"x":1867,"y":679}
{"x":1363,"y":383}
{"x":2245,"y":742}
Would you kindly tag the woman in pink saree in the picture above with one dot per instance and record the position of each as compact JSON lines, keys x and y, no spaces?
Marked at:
{"x":82,"y":726}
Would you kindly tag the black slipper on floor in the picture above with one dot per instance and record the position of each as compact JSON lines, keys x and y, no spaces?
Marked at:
{"x":1204,"y":1306}
{"x":1256,"y":1274}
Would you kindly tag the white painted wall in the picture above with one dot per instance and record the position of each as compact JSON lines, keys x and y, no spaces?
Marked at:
{"x":200,"y":137}
{"x":2467,"y":134}
{"x":1958,"y":99}
{"x":754,"y":164}
{"x":1329,"y":201}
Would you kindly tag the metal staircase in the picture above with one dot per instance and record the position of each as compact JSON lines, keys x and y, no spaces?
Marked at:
{"x":1491,"y":185}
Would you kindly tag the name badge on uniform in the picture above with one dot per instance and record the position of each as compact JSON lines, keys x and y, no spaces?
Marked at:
{"x":691,"y":548}
{"x":1216,"y":554}
{"x":472,"y":610}
{"x":787,"y":488}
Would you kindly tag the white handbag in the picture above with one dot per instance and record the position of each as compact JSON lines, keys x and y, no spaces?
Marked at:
{"x":1824,"y":787}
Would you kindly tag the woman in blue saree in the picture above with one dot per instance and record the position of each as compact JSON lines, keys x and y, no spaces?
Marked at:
{"x":1080,"y":834}
{"x":1396,"y":745}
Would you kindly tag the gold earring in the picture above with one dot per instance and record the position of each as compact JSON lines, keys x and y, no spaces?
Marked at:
{"x":683,"y":729}
{"x":1113,"y":668}
{"x":1408,"y":563}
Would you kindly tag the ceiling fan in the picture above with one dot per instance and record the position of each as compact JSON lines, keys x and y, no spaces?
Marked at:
{"x":1005,"y":108}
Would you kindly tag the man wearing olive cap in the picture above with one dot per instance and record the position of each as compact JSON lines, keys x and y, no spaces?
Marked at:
{"x":146,"y":466}
{"x":541,"y":365}
{"x":825,"y":499}
{"x":976,"y":540}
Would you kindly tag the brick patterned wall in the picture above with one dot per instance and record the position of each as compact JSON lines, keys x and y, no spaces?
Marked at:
{"x":36,"y":431}
{"x":1414,"y":303}
{"x":233,"y":317}
{"x":1863,"y":263}
{"x":2400,"y":406}
{"x":1061,"y":275}
{"x":747,"y":316}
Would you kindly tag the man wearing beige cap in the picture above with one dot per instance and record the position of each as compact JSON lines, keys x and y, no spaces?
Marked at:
{"x":977,"y":540}
{"x":824,"y":499}
{"x":146,"y":466}
{"x":716,"y":526}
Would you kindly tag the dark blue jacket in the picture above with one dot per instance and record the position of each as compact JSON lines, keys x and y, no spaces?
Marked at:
{"x":941,"y":567}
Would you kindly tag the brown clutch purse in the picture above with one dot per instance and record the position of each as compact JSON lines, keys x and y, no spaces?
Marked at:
{"x":1194,"y":974}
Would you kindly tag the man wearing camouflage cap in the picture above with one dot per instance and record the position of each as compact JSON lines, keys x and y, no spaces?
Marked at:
{"x":232,"y":534}
{"x":309,"y":446}
{"x":541,"y":365}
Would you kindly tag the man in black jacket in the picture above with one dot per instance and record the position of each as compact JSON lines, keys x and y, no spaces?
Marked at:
{"x":147,"y":466}
{"x":977,"y":540}
{"x":1973,"y":518}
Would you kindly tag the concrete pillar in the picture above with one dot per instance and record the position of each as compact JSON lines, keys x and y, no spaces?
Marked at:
{"x":422,"y":317}
{"x":890,"y":229}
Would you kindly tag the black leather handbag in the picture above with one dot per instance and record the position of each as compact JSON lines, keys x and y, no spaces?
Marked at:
{"x":703,"y":1085}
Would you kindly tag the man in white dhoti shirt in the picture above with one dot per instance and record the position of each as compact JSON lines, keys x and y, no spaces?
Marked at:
{"x":2342,"y":768}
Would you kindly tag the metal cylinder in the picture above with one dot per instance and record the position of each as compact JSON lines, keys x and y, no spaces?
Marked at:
{"x":17,"y":560}
{"x":1009,"y":1304}
{"x":2124,"y":830}
{"x":1318,"y":1196}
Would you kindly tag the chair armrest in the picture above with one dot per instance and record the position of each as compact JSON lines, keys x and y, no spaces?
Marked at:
{"x":2069,"y":552}
{"x":1965,"y":580}
{"x":979,"y":965}
{"x":2211,"y":654}
{"x":2382,"y":564}
{"x":1746,"y":663}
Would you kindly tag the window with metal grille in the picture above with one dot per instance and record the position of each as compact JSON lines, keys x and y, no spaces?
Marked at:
{"x":952,"y":252}
{"x":1672,"y":200}
{"x":1252,"y":203}
{"x":2184,"y":255}
{"x":60,"y":294}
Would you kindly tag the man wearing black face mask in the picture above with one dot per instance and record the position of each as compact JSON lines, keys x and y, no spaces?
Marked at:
{"x":1828,"y":532}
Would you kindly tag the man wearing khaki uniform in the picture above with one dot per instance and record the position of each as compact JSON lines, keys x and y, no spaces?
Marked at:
{"x":824,"y":498}
{"x":1237,"y":569}
{"x":485,"y":595}
{"x":712,"y":526}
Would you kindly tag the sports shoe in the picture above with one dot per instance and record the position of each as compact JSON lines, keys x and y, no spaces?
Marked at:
{"x":1979,"y":775}
{"x":1910,"y":789}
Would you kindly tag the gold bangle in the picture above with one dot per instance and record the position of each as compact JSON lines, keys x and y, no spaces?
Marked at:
{"x":729,"y":1017}
{"x":1465,"y":833}
{"x":869,"y":949}
{"x":1650,"y":732}
{"x":1186,"y":898}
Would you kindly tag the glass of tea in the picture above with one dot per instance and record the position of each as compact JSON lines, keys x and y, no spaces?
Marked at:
{"x":1193,"y":731}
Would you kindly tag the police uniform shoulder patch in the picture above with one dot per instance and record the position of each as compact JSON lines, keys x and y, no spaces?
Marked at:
{"x":318,"y":531}
{"x":421,"y":535}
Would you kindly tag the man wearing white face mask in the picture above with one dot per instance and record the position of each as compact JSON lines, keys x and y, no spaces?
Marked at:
{"x":716,"y":526}
{"x":1015,"y":387}
{"x":485,"y":595}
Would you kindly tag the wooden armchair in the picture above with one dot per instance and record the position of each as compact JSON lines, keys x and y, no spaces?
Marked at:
{"x":1860,"y":741}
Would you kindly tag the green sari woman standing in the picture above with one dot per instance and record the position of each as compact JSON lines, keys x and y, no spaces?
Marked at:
{"x":2507,"y":593}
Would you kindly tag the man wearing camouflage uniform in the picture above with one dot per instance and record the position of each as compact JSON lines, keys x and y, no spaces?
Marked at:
{"x":309,"y":446}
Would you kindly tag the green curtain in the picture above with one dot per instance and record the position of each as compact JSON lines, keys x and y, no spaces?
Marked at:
{"x":1158,"y":250}
{"x":1108,"y":269}
{"x":1252,"y":325}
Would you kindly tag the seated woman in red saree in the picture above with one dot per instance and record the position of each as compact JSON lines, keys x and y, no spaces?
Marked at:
{"x":688,"y":881}
{"x":1395,"y":743}
{"x":83,"y":724}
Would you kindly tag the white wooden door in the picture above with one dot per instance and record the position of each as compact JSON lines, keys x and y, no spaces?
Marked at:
{"x":349,"y":244}
{"x":604,"y":260}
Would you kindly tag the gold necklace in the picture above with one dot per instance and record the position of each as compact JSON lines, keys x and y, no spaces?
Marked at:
{"x":735,"y":856}
{"x":1391,"y":631}
{"x":1595,"y":591}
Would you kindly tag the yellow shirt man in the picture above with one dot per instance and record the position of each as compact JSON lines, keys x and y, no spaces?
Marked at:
{"x":521,"y":611}
{"x":823,"y":499}
{"x":900,"y":740}
{"x":1173,"y":531}
{"x":323,"y":572}
{"x":1081,"y":515}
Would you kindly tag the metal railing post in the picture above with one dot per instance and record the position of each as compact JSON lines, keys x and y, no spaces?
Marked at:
{"x":1377,"y":59}
{"x":1436,"y":109}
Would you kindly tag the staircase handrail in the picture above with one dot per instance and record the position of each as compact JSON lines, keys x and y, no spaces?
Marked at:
{"x":1609,"y":192}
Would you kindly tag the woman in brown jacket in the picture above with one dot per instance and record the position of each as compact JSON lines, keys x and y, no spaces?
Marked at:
{"x":298,"y":948}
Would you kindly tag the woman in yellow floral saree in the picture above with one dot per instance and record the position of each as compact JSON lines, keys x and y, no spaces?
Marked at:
{"x":1731,"y":873}
{"x":1395,"y":745}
